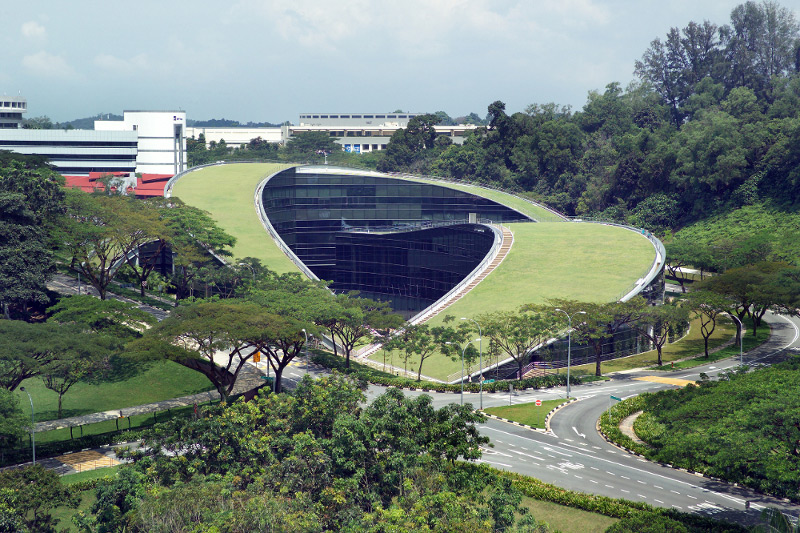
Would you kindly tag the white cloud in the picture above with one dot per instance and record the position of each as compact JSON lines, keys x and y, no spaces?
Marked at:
{"x":118,"y":65}
{"x":48,"y":65}
{"x":33,"y":30}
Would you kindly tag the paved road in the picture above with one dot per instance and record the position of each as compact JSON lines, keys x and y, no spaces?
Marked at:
{"x":573,"y":455}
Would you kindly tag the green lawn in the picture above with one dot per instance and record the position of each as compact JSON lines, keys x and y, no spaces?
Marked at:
{"x":750,"y":342}
{"x":227,"y":192}
{"x":526,"y":413}
{"x":567,"y":519}
{"x":155,"y":382}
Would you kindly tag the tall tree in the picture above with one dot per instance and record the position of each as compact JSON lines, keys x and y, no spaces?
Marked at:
{"x":707,"y":306}
{"x":90,"y":233}
{"x":215,"y":338}
{"x":28,"y":349}
{"x":659,"y":322}
{"x":355,"y":320}
{"x":516,"y":334}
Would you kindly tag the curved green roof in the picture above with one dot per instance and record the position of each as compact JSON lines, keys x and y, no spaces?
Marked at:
{"x":583,"y":261}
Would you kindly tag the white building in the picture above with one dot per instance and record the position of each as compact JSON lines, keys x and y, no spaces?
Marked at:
{"x":11,"y":110}
{"x":161,"y":139}
{"x":76,"y":152}
{"x":233,"y":136}
{"x":355,"y":132}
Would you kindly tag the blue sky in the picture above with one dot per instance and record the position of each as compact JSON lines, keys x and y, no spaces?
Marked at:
{"x":265,"y":60}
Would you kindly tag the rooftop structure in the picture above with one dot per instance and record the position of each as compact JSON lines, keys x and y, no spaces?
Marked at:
{"x":161,"y":139}
{"x":11,"y":110}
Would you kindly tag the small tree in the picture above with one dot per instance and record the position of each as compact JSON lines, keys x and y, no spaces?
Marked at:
{"x":658,"y":322}
{"x":516,"y":334}
{"x":14,"y":423}
{"x":707,"y":306}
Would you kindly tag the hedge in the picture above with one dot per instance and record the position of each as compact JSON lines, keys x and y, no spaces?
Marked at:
{"x":381,"y":378}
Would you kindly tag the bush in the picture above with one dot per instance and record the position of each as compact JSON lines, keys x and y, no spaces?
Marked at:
{"x":610,"y":420}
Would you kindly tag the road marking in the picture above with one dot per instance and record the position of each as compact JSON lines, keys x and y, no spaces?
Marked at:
{"x":581,"y":435}
{"x":625,"y":491}
{"x":625,"y":477}
{"x":659,"y":501}
{"x":674,"y":491}
{"x":593,"y":481}
{"x":642,"y":496}
{"x":492,"y":462}
{"x":659,"y":488}
{"x":594,"y":468}
{"x":629,"y":467}
{"x":528,"y":455}
{"x":611,"y":473}
{"x":609,"y":486}
{"x":640,"y":481}
{"x":577,"y":476}
{"x":690,"y":496}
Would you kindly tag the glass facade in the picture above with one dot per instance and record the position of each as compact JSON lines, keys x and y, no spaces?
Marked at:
{"x":396,"y":240}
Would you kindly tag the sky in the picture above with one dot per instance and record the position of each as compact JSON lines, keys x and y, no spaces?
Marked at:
{"x":269,"y":61}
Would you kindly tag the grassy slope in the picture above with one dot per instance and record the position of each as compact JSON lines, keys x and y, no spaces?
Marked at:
{"x":227,"y":191}
{"x":740,"y":224}
{"x":515,"y":202}
{"x":589,"y":262}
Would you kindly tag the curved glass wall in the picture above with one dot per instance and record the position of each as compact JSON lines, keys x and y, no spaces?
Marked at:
{"x":400,"y":241}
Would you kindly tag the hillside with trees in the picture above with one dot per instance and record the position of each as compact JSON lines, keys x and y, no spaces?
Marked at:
{"x":711,"y":124}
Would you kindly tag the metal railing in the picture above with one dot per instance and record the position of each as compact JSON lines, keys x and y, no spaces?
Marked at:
{"x":403,"y":228}
{"x":477,"y":271}
{"x":556,"y":215}
{"x":262,"y":216}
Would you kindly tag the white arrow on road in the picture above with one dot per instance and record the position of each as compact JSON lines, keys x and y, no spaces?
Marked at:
{"x":581,"y":435}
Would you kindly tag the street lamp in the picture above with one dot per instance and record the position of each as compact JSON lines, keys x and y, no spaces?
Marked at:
{"x":252,"y":270}
{"x":464,"y":349}
{"x":569,"y":342}
{"x":480,"y":346}
{"x":305,"y":346}
{"x":33,"y":424}
{"x":741,"y":337}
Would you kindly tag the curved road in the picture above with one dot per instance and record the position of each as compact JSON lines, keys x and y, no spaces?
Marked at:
{"x":574,"y":455}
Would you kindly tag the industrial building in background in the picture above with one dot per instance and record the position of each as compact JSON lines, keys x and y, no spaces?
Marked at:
{"x":355,"y":132}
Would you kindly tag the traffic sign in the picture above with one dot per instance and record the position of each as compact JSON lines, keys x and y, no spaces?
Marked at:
{"x":538,"y":403}
{"x":615,"y":398}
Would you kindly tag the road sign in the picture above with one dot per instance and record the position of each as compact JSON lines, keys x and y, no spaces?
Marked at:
{"x":257,"y":357}
{"x":538,"y":403}
{"x":615,"y":398}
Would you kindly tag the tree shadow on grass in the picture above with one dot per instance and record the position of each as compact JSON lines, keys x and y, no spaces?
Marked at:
{"x":117,"y":369}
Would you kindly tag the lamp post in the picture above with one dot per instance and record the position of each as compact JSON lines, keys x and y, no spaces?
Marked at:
{"x":569,"y":342}
{"x":305,"y":346}
{"x":480,"y":354}
{"x":741,"y":337}
{"x":252,"y":270}
{"x":464,"y":349}
{"x":33,"y":425}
